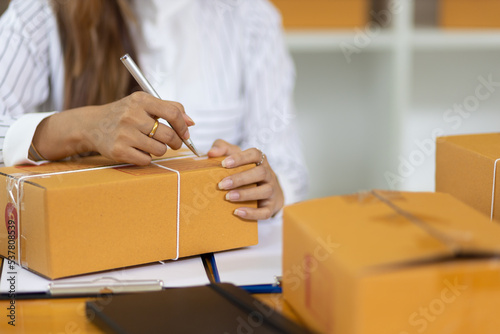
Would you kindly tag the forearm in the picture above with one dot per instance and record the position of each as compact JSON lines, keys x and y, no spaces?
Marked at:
{"x":65,"y":134}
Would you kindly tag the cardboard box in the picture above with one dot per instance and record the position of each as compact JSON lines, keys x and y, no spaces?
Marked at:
{"x":323,"y":13}
{"x":117,"y":216}
{"x":464,"y":168}
{"x":469,"y":13}
{"x":388,"y":262}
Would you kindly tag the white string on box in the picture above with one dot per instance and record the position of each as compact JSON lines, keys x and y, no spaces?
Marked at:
{"x":178,"y":204}
{"x":493,"y":189}
{"x":20,"y":190}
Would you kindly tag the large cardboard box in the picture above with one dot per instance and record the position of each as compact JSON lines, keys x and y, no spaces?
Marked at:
{"x":469,"y":13}
{"x":102,"y":216}
{"x":388,"y":262}
{"x":323,"y":13}
{"x":465,"y":168}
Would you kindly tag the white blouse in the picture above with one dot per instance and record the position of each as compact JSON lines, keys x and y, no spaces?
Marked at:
{"x":224,"y":60}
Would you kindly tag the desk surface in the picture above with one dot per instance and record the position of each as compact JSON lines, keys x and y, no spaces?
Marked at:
{"x":57,"y":316}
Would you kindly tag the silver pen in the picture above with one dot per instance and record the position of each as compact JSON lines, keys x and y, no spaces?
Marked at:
{"x":146,"y":86}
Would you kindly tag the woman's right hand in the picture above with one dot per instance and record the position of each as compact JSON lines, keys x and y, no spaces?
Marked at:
{"x":118,"y":130}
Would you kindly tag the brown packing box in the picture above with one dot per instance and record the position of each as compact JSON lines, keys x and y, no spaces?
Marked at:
{"x":323,"y":13}
{"x":95,"y":220}
{"x":388,"y":262}
{"x":469,"y":13}
{"x":464,"y":168}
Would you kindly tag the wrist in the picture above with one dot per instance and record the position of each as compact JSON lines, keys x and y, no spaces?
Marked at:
{"x":84,"y":134}
{"x":64,"y":134}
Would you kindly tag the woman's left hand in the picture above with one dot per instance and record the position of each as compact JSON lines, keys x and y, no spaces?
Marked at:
{"x":268,"y":192}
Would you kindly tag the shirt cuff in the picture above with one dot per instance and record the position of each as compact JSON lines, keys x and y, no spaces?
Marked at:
{"x":18,"y":139}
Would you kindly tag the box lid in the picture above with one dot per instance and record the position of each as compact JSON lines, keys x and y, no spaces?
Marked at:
{"x":103,"y":170}
{"x":485,"y":144}
{"x":378,"y":229}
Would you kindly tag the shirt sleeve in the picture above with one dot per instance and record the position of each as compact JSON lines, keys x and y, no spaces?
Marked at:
{"x":268,"y":89}
{"x":24,"y":75}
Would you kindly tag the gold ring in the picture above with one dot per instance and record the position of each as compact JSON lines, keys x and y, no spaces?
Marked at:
{"x":263,"y":157}
{"x":153,"y":130}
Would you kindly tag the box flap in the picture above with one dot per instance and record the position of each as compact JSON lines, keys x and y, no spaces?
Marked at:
{"x":382,"y":228}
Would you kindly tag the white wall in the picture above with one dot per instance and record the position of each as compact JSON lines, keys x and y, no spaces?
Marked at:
{"x":342,"y":120}
{"x":347,"y":124}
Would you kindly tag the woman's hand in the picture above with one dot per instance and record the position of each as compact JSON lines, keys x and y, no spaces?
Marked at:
{"x":268,"y":192}
{"x":117,"y":130}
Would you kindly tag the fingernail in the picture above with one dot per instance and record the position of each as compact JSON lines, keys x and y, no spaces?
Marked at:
{"x":240,"y":213}
{"x":186,"y":134}
{"x":225,"y":184}
{"x":228,"y":163}
{"x":232,"y":195}
{"x":190,"y":120}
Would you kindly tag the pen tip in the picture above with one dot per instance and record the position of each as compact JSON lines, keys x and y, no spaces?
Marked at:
{"x":195,"y":151}
{"x":192,"y":147}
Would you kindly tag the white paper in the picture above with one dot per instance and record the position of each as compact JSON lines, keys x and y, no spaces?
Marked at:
{"x":181,"y":273}
{"x":256,"y":264}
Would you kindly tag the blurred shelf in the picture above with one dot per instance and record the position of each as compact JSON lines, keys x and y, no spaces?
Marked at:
{"x":423,"y":39}
{"x":434,"y":39}
{"x":316,"y":40}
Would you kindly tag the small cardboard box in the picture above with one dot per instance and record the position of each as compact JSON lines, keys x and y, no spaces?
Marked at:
{"x":465,"y":168}
{"x":469,"y":13}
{"x":388,"y":262}
{"x":323,"y":13}
{"x":91,"y":215}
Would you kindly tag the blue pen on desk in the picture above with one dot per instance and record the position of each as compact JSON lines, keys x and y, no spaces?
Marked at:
{"x":261,"y":288}
{"x":215,"y":271}
{"x":257,"y":288}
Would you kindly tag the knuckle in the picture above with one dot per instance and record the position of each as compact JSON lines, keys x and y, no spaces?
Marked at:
{"x":175,"y":113}
{"x":218,"y":141}
{"x":159,"y":150}
{"x":117,"y":153}
{"x":169,"y":137}
{"x":122,"y":136}
{"x":176,"y":145}
{"x":126,"y":118}
{"x":237,"y":182}
{"x":266,"y":213}
{"x":268,"y":174}
{"x":138,"y":97}
{"x":144,"y":161}
{"x":261,"y":172}
{"x":268,"y":191}
{"x":179,"y":106}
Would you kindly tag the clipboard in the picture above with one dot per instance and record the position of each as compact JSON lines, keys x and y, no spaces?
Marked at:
{"x":151,"y":277}
{"x":104,"y":285}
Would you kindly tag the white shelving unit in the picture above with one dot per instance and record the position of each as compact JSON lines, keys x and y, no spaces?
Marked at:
{"x":425,"y":39}
{"x":330,"y":40}
{"x":369,"y":121}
